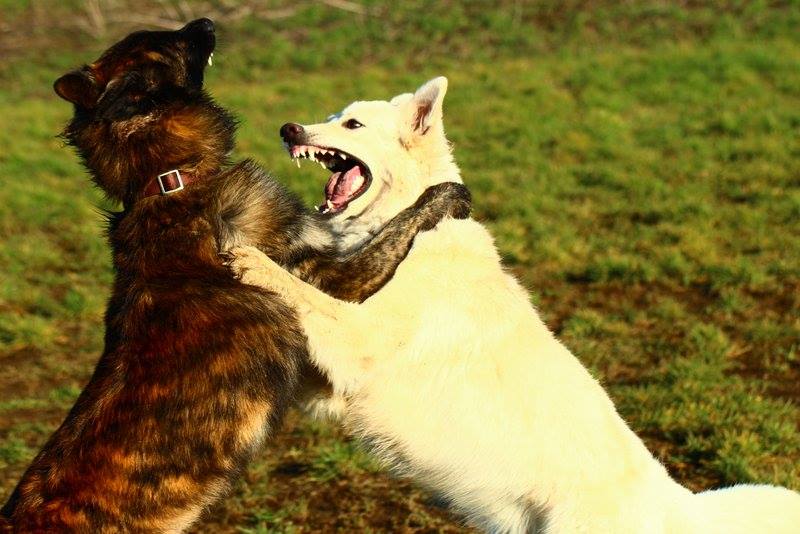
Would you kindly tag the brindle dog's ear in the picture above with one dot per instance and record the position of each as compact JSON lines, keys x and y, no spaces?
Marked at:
{"x":78,"y":87}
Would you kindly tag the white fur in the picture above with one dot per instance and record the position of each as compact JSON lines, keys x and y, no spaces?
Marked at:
{"x":403,"y":163}
{"x":452,"y":376}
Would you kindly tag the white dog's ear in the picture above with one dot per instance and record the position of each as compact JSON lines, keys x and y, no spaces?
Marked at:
{"x":426,"y":104}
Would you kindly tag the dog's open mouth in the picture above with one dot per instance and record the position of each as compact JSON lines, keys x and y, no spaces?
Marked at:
{"x":350,"y":178}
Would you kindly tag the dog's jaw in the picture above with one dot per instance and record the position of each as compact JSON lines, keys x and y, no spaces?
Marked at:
{"x":351,"y":177}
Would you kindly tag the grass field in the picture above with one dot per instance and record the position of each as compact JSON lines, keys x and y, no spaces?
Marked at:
{"x":638,"y":163}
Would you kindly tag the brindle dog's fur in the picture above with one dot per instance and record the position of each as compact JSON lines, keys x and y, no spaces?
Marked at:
{"x":198,"y":368}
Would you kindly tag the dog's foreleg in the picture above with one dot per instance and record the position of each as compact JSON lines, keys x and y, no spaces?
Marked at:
{"x":362,"y":273}
{"x":340,"y":334}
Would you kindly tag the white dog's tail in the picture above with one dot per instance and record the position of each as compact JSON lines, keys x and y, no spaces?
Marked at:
{"x":744,"y":509}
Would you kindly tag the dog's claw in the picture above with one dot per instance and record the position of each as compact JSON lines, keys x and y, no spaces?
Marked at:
{"x":244,"y":260}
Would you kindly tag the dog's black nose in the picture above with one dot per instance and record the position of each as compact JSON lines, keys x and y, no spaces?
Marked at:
{"x":200,"y":25}
{"x":291,"y":132}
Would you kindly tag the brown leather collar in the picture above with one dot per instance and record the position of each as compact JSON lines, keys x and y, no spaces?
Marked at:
{"x":169,"y":182}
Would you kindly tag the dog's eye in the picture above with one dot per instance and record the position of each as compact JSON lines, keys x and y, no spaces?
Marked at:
{"x":352,"y":124}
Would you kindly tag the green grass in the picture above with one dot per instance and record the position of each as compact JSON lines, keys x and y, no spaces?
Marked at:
{"x":638,"y":164}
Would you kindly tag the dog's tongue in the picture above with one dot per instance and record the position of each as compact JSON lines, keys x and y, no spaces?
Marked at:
{"x":342,"y":186}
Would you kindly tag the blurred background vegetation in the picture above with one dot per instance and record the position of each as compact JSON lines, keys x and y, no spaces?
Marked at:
{"x":638,"y":162}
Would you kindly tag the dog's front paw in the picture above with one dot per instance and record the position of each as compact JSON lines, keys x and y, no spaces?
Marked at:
{"x":459,"y":200}
{"x":448,"y":199}
{"x":247,"y":263}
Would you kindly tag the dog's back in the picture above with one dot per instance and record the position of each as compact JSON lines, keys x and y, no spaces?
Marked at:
{"x":197,"y":369}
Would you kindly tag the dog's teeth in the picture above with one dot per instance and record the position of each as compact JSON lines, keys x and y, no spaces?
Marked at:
{"x":210,"y":61}
{"x":342,"y":156}
{"x":329,"y":204}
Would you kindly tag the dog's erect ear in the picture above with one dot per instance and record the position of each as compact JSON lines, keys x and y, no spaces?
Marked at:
{"x":77,"y":87}
{"x":426,"y":104}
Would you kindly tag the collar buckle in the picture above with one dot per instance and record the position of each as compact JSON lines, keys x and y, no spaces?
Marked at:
{"x":170,"y":182}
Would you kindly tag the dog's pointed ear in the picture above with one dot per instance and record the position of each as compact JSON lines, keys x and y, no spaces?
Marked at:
{"x":426,"y":105}
{"x":78,"y":87}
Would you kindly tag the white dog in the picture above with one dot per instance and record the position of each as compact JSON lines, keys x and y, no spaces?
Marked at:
{"x":451,"y":375}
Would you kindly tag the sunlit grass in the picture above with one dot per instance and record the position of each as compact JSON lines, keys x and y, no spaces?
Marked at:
{"x":644,"y":187}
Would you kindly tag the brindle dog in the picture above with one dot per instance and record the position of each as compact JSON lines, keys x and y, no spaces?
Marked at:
{"x":197,"y":368}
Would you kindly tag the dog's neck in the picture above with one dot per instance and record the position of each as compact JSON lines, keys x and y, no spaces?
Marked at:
{"x":194,"y":138}
{"x":170,"y":182}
